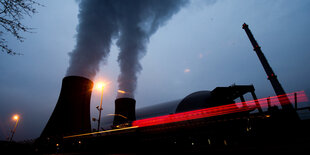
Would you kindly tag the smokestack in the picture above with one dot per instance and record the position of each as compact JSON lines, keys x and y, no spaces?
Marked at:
{"x":72,"y":111}
{"x":278,"y":89}
{"x":125,"y":111}
{"x":270,"y":74}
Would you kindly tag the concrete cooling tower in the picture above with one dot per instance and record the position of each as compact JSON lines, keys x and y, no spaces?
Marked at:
{"x":72,"y":111}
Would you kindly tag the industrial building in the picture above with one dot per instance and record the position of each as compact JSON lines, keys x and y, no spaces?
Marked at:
{"x":220,"y":120}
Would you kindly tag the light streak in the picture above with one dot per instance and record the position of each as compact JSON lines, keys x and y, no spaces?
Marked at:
{"x":207,"y":112}
{"x":118,"y":115}
{"x":220,"y":110}
{"x":99,"y":132}
{"x":122,"y":91}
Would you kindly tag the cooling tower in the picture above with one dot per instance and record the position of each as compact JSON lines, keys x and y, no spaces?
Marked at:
{"x":125,"y":111}
{"x":72,"y":111}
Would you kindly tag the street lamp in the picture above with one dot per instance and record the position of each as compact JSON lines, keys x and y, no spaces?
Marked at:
{"x":100,"y":86}
{"x":15,"y":118}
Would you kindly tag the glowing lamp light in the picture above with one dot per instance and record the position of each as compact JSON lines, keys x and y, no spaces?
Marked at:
{"x":100,"y":85}
{"x":15,"y":117}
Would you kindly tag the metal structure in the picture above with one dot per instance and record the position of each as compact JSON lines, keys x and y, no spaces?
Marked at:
{"x":201,"y":99}
{"x":100,"y":110}
{"x":204,"y":121}
{"x":270,"y":74}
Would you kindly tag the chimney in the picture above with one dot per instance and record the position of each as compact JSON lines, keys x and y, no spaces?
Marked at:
{"x":72,"y":111}
{"x":125,"y":111}
{"x":271,"y":76}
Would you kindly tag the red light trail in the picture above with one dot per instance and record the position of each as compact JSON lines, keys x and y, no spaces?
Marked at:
{"x":221,"y":110}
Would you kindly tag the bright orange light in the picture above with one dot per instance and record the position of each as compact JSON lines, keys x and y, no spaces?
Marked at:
{"x":15,"y":117}
{"x":100,"y":85}
{"x":121,"y":91}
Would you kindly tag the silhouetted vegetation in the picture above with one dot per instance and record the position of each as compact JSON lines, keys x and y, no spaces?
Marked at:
{"x":12,"y":12}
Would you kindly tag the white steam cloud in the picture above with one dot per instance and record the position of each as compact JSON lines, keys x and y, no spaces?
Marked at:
{"x":131,"y":22}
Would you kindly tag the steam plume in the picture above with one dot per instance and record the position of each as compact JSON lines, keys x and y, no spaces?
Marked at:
{"x":131,"y":22}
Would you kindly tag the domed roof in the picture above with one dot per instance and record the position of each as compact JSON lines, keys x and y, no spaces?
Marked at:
{"x":157,"y":110}
{"x":196,"y":100}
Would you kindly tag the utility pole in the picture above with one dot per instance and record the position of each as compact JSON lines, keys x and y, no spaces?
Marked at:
{"x":100,"y":109}
{"x":16,"y":118}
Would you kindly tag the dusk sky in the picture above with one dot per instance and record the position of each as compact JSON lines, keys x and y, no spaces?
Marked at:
{"x":201,"y":47}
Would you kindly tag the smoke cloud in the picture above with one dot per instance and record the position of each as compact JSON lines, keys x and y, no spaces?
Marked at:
{"x":131,"y":22}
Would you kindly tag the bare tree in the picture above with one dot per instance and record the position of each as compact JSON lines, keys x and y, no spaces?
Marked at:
{"x":12,"y":12}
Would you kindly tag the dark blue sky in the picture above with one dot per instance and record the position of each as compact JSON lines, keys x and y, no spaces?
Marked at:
{"x":200,"y":48}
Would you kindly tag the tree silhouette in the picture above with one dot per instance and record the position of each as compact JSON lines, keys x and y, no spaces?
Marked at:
{"x":11,"y":14}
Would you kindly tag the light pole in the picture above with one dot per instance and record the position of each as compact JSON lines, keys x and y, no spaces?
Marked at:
{"x":16,"y":118}
{"x":100,"y":86}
